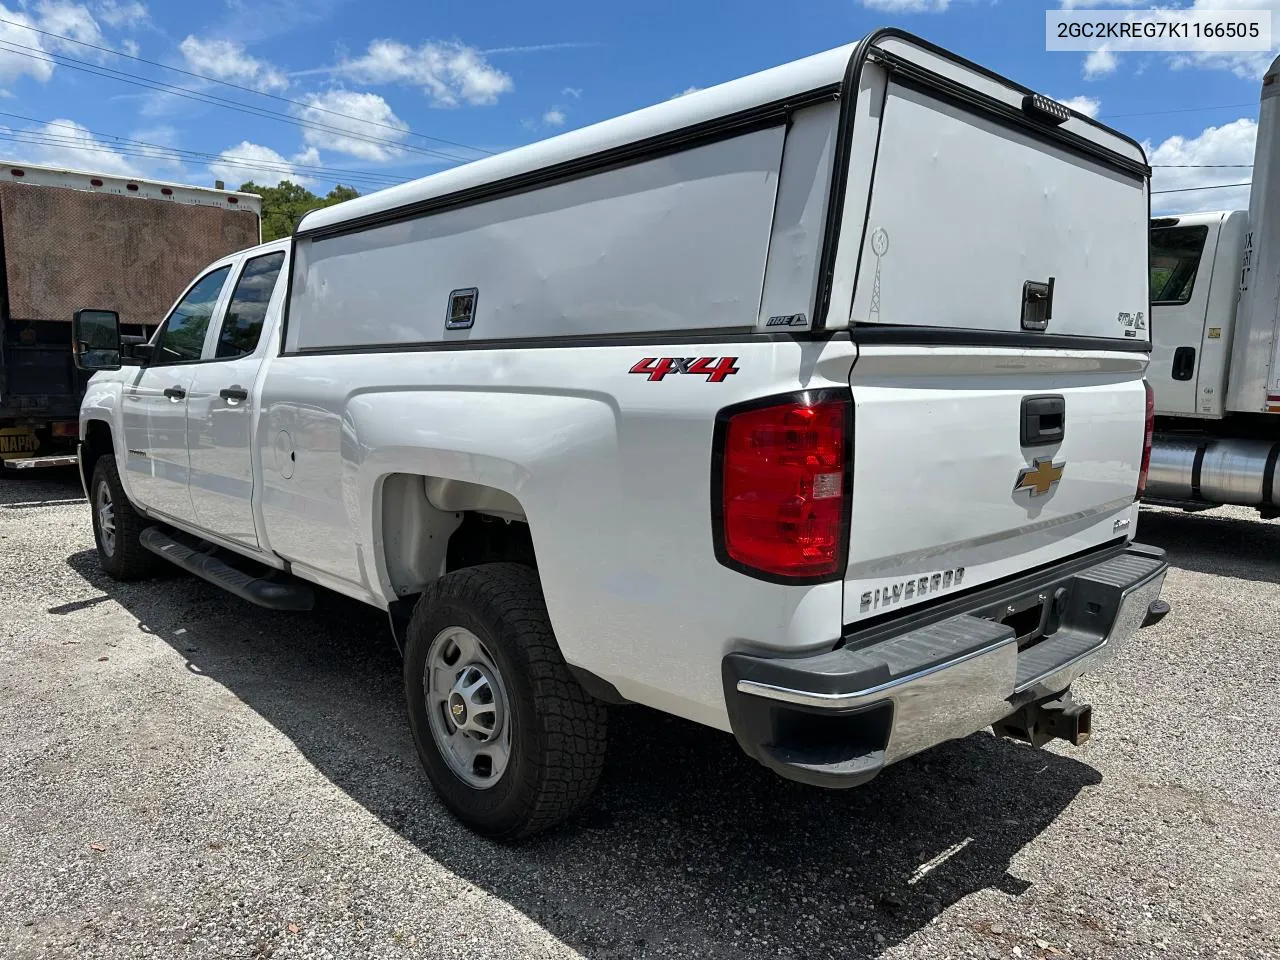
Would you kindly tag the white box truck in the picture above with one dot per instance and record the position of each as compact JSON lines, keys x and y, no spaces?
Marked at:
{"x":803,"y":407}
{"x":1215,"y":361}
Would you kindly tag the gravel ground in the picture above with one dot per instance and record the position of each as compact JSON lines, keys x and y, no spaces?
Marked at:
{"x":184,"y":775}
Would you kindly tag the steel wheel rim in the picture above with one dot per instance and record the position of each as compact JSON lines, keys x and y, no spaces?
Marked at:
{"x":106,"y":512}
{"x":468,"y":710}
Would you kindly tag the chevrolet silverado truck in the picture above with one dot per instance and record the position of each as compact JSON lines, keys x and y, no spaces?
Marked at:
{"x":803,"y":407}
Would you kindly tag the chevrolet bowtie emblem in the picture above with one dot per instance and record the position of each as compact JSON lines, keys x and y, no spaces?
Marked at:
{"x":1040,"y":477}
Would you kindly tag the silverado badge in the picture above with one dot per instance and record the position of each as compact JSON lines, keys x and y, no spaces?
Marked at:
{"x":1040,"y":477}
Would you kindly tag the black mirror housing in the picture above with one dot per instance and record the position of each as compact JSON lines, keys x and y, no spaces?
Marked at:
{"x":95,"y":339}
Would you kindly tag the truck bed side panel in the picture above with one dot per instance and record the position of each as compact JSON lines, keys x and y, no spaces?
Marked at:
{"x":612,"y":470}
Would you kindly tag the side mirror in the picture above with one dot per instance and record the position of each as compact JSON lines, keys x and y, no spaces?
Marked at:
{"x":95,"y":339}
{"x":135,"y":348}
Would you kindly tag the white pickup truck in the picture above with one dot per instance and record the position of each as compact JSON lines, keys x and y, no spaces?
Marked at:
{"x":806,"y":407}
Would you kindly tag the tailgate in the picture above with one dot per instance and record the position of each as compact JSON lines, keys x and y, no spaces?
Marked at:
{"x":945,"y":494}
{"x":1000,"y":310}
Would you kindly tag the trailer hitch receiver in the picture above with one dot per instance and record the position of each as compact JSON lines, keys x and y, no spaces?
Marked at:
{"x":1058,"y":719}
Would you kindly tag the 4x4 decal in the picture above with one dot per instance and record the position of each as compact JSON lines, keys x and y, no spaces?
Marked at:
{"x":715,"y":369}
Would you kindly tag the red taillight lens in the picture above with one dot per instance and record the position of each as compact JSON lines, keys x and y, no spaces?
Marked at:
{"x":783,"y":497}
{"x":1146,"y":441}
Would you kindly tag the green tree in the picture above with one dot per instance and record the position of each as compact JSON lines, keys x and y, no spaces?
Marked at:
{"x":284,"y":205}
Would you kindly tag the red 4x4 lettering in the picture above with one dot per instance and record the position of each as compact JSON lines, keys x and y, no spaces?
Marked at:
{"x":715,"y":369}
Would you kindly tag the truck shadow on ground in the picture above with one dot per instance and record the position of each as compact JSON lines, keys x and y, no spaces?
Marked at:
{"x":688,"y":848}
{"x":28,"y":489}
{"x":1247,"y":549}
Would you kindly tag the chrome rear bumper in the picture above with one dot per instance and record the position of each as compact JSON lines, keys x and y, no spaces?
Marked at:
{"x":837,"y":719}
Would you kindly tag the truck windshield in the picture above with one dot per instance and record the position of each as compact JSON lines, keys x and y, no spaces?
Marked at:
{"x":1175,"y":257}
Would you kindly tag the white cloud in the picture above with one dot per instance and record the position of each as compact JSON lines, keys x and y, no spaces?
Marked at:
{"x":575,"y":92}
{"x":130,"y":46}
{"x":1099,"y":63}
{"x":75,"y":148}
{"x":450,"y":73}
{"x":13,"y":64}
{"x":364,"y":114}
{"x":553,"y":117}
{"x":908,"y":6}
{"x":684,"y":93}
{"x":264,"y":166}
{"x":1089,"y":106}
{"x":227,"y":60}
{"x":125,"y":14}
{"x":70,"y":20}
{"x":1246,"y":66}
{"x":1192,"y":163}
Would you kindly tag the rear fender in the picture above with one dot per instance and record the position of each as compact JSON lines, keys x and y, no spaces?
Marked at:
{"x":555,"y":450}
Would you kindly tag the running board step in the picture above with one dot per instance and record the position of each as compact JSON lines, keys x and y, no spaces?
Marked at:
{"x":30,"y":463}
{"x":200,"y":560}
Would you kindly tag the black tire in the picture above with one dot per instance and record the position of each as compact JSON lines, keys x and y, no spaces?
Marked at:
{"x":558,"y":731}
{"x":122,"y":556}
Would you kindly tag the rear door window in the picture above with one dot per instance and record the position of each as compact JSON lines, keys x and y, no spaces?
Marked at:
{"x":247,"y":311}
{"x":972,"y":215}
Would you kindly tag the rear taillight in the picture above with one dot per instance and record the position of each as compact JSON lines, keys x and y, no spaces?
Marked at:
{"x":1146,"y":441}
{"x":780,"y":495}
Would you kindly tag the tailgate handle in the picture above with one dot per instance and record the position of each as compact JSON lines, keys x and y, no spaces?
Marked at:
{"x":1037,"y":304}
{"x":1044,"y":420}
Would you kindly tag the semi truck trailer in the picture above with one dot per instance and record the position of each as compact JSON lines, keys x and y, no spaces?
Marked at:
{"x":1215,"y":360}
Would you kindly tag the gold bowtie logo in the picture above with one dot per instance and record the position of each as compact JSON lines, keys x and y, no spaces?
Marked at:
{"x":1040,"y":477}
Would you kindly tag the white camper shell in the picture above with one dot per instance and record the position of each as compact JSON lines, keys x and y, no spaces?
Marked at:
{"x":758,"y":204}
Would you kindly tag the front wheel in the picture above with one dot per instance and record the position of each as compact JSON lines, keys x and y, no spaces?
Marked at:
{"x":117,"y":526}
{"x":510,"y":740}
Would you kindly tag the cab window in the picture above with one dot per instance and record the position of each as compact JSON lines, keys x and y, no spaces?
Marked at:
{"x":248,"y":308}
{"x":182,"y":339}
{"x":1175,"y":258}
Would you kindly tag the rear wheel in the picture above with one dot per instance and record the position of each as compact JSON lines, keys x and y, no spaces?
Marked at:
{"x":117,"y":526}
{"x":510,"y":740}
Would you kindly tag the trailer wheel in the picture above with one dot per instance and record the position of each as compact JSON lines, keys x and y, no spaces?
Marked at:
{"x":116,"y":525}
{"x":509,"y":739}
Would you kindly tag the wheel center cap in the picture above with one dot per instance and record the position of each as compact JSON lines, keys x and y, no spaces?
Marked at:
{"x":458,"y":707}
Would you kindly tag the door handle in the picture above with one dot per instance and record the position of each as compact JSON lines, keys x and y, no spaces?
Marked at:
{"x":175,"y":393}
{"x":1184,"y":363}
{"x":234,"y":394}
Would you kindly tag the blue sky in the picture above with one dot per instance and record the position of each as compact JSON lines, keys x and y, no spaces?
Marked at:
{"x":361,"y":86}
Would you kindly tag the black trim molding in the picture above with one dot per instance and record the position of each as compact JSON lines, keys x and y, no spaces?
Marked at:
{"x":902,"y":335}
